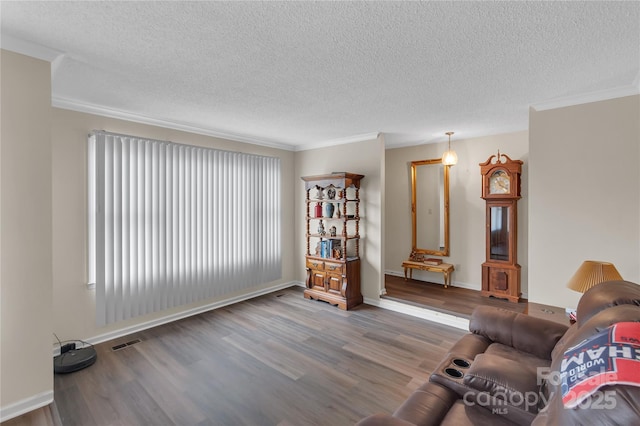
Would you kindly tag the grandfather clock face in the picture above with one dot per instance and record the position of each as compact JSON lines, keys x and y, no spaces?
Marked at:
{"x":499,"y":183}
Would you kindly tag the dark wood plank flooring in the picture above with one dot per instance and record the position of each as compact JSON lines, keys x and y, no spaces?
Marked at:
{"x":275,"y":360}
{"x":461,"y":301}
{"x":456,"y":300}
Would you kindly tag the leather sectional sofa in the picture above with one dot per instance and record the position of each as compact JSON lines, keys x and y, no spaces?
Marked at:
{"x":507,"y":370}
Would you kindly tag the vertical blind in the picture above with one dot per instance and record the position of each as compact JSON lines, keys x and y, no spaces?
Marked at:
{"x":171,"y":224}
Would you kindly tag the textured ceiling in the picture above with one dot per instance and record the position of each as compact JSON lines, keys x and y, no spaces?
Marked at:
{"x":303,"y":74}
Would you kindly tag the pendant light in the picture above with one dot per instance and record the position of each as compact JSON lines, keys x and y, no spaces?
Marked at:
{"x":449,"y":158}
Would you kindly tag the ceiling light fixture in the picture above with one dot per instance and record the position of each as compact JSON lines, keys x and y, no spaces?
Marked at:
{"x":449,"y":158}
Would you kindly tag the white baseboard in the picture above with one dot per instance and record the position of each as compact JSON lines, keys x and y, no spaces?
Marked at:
{"x":180,"y":315}
{"x":427,"y":314}
{"x":25,"y":405}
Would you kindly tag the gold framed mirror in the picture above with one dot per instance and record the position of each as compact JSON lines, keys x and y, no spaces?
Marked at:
{"x":430,"y":207}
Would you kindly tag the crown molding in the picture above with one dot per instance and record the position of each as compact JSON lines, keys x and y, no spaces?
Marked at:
{"x":585,"y":98}
{"x":460,"y":136}
{"x":340,"y":141}
{"x":27,"y":48}
{"x":137,"y":118}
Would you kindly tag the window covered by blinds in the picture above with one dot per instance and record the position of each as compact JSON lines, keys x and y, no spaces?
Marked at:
{"x":172,"y":224}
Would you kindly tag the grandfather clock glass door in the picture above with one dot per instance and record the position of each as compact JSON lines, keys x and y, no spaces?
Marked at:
{"x":501,"y":273}
{"x":498,"y":233}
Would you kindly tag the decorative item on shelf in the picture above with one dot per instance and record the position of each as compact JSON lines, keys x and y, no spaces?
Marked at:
{"x":336,"y":249}
{"x":332,"y":231}
{"x":319,"y":193}
{"x":318,"y":209}
{"x":339,"y":194}
{"x":318,"y":249}
{"x":592,"y":273}
{"x":323,"y":248}
{"x":432,"y":261}
{"x":331,"y":193}
{"x":416,"y":257}
{"x":338,"y":214}
{"x":449,"y":158}
{"x":321,"y":230}
{"x":328,"y":209}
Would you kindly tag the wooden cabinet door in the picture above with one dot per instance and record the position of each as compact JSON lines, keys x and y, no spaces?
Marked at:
{"x":335,"y":284}
{"x":318,"y":281}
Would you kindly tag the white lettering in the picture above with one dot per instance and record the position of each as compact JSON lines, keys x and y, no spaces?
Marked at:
{"x":467,"y":401}
{"x":578,"y":360}
{"x":500,"y":397}
{"x":595,"y":353}
{"x":516,"y":399}
{"x":580,"y":369}
{"x":624,"y":352}
{"x":483,"y":399}
{"x":610,"y":400}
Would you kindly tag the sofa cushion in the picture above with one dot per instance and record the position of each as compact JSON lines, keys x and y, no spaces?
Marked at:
{"x":523,"y":332}
{"x":606,"y":295}
{"x":508,"y":352}
{"x":503,"y":383}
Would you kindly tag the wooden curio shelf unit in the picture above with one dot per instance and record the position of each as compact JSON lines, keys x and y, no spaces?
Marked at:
{"x":333,"y":239}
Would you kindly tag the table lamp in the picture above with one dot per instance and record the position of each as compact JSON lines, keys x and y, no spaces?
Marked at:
{"x":592,"y":273}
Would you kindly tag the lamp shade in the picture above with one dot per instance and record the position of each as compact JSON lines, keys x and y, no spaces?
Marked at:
{"x":592,"y":273}
{"x":450,"y":158}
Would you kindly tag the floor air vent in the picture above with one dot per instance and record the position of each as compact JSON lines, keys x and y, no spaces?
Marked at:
{"x":125,"y":345}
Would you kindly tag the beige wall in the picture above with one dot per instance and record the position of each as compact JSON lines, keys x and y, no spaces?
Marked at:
{"x":467,"y":209}
{"x":26,"y":370}
{"x":366,"y":158}
{"x":585,"y":194}
{"x":73,"y":302}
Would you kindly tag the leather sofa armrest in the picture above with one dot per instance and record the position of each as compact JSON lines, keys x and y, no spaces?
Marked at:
{"x":522,"y":332}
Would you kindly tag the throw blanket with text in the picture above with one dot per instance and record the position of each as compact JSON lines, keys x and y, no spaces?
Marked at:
{"x":609,"y":357}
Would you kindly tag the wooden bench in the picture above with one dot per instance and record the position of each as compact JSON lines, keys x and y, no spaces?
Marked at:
{"x":445,"y":268}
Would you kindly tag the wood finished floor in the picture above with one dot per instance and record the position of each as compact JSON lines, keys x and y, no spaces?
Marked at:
{"x":456,"y":300}
{"x":275,"y":360}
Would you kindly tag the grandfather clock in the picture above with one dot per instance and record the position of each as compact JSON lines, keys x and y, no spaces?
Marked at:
{"x":501,"y":190}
